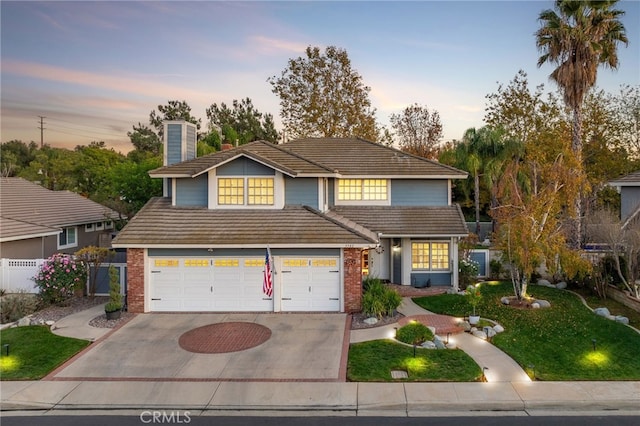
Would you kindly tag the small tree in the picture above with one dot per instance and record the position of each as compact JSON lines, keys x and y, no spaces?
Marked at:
{"x":93,"y":257}
{"x":474,"y":297}
{"x":115,"y":298}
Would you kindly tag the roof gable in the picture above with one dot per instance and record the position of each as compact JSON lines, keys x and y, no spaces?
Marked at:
{"x":632,"y":179}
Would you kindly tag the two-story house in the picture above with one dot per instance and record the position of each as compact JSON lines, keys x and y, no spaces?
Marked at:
{"x":629,"y":187}
{"x":327,"y":209}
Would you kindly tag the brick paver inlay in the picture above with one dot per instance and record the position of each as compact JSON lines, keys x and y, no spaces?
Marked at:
{"x":224,"y":337}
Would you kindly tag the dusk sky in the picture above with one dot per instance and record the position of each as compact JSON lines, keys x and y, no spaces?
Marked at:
{"x":94,"y":69}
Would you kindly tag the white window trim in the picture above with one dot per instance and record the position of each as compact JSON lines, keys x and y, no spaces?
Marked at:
{"x":89,"y":227}
{"x":338,"y":202}
{"x":99,"y":226}
{"x":74,"y":244}
{"x":278,"y":192}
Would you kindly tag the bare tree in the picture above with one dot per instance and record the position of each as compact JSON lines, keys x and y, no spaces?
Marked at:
{"x":419,"y":130}
{"x":623,"y":240}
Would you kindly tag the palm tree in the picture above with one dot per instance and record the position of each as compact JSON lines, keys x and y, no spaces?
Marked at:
{"x":579,"y":36}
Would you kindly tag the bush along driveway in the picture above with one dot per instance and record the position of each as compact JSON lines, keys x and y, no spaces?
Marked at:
{"x":564,"y":342}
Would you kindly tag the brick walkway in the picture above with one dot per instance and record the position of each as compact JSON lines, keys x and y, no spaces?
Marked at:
{"x":408,"y":291}
{"x":224,"y":337}
{"x":442,"y":323}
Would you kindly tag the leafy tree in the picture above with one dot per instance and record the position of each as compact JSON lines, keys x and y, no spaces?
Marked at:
{"x":321,"y":95}
{"x":248,"y":123}
{"x":532,"y":194}
{"x":91,"y":169}
{"x":173,"y":110}
{"x":623,"y":239}
{"x":93,"y":257}
{"x":626,"y":110}
{"x":16,"y":155}
{"x":578,"y":37}
{"x":133,"y":186}
{"x":145,"y":139}
{"x":419,"y":130}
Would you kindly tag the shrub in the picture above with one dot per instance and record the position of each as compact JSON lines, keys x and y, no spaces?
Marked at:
{"x":378,"y":299}
{"x":474,"y":297}
{"x":16,"y":306}
{"x":414,"y":334}
{"x":115,"y":298}
{"x":468,"y":272}
{"x":495,"y":267}
{"x":58,"y":278}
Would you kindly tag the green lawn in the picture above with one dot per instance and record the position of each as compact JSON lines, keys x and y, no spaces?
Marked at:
{"x":558,"y":341}
{"x":34,"y":352}
{"x":373,"y":361}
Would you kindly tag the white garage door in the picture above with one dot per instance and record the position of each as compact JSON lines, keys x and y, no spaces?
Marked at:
{"x":310,"y":284}
{"x":184,"y":284}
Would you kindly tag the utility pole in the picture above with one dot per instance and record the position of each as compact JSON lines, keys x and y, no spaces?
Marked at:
{"x":41,"y":130}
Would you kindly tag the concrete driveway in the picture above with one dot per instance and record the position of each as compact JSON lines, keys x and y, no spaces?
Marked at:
{"x":301,"y":347}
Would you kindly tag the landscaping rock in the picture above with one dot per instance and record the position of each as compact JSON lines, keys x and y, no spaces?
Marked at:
{"x":479,"y":334}
{"x":49,"y":323}
{"x":561,"y":285}
{"x":451,"y":290}
{"x":489,"y":332}
{"x":544,"y":282}
{"x":24,"y":322}
{"x":603,"y":312}
{"x":535,"y":305}
{"x":439,"y":344}
{"x":611,"y":317}
{"x":504,"y":300}
{"x":543,"y":303}
{"x":371,"y":321}
{"x":622,"y":320}
{"x":429,"y":345}
{"x":465,"y":325}
{"x":498,"y":328}
{"x":452,"y":345}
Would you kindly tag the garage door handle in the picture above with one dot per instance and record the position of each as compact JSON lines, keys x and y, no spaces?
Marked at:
{"x":267,"y":298}
{"x":286,"y":272}
{"x":286,"y":298}
{"x":333,"y":298}
{"x":155,"y":272}
{"x":334,"y":271}
{"x":155,"y":299}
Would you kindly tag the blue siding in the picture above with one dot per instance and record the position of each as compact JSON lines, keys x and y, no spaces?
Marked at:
{"x":437,"y":278}
{"x":303,"y":191}
{"x":244,"y":167}
{"x":192,"y":192}
{"x":481,"y":258}
{"x":408,"y":192}
{"x":242,"y":252}
{"x":629,"y":200}
{"x":174,"y":144}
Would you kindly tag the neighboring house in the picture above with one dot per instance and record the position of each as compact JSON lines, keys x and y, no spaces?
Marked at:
{"x":327,"y":209}
{"x":36,"y":222}
{"x":629,"y":188}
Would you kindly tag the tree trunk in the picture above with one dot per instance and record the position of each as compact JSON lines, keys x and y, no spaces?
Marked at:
{"x":575,"y":223}
{"x":476,"y":197}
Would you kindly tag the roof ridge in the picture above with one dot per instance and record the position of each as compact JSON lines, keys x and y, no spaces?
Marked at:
{"x":295,"y":154}
{"x":344,"y":224}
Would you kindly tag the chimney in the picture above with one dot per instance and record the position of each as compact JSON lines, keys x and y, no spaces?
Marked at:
{"x":225,"y":146}
{"x":180,"y":144}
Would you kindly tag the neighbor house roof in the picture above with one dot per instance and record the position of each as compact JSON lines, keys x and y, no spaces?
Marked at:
{"x":159,"y":225}
{"x":27,"y":209}
{"x":321,"y":157}
{"x":444,"y":221}
{"x":632,"y":179}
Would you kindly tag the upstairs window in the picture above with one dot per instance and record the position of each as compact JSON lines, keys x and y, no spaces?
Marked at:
{"x":362,"y":190}
{"x":246,"y":191}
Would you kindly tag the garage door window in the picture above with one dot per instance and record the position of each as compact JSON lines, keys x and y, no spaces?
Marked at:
{"x":226,"y":263}
{"x":296,"y":263}
{"x":196,"y":262}
{"x":326,"y":263}
{"x":166,"y":262}
{"x":252,"y":263}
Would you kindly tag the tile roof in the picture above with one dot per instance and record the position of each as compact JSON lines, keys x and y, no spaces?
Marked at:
{"x":264,"y":152}
{"x":632,"y":179}
{"x":13,"y":229}
{"x":159,"y":224}
{"x":28,"y":209}
{"x":321,"y":157}
{"x":355,"y":156}
{"x":407,"y":221}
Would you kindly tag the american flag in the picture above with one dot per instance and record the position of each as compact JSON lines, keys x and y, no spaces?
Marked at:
{"x":267,"y":283}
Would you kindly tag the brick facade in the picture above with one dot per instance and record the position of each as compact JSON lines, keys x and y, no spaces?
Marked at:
{"x":135,"y":280}
{"x":352,"y":280}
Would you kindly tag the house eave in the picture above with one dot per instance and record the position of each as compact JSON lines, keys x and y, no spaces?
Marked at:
{"x":235,"y":246}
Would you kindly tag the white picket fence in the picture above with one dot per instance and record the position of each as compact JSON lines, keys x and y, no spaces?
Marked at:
{"x":16,"y":275}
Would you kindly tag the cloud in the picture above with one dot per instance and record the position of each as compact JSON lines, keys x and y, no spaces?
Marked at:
{"x":267,"y":45}
{"x":140,"y":86}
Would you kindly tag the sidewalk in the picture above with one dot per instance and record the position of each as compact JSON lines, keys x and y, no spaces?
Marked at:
{"x":77,"y":325}
{"x":328,"y":398}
